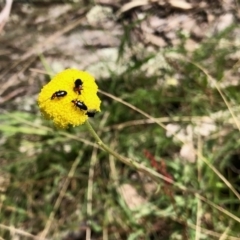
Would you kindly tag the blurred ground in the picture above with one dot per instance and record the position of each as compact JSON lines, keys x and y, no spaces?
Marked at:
{"x":89,"y":36}
{"x":109,"y":39}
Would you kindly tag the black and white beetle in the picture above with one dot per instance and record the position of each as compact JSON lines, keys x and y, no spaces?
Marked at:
{"x":80,"y":104}
{"x":59,"y":94}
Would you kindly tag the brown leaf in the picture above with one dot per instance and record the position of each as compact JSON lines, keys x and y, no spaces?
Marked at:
{"x":180,"y":4}
{"x":4,"y":15}
{"x":128,"y":6}
{"x":131,"y":196}
{"x":187,"y":152}
{"x":155,"y":40}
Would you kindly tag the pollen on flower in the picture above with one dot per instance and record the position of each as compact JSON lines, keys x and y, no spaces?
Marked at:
{"x":59,"y":102}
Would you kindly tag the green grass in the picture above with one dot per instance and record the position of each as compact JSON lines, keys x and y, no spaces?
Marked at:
{"x":36,"y":158}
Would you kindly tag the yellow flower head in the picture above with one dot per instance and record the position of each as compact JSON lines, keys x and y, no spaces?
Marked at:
{"x":69,"y":98}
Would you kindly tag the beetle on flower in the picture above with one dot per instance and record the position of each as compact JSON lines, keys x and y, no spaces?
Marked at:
{"x":63,"y":112}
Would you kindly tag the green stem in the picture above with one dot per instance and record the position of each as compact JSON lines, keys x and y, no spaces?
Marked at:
{"x":151,"y":173}
{"x":130,"y":162}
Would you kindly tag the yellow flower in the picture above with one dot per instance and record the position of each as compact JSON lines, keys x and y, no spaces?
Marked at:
{"x":69,"y":98}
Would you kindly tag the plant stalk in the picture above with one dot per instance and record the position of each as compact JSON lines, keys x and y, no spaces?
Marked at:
{"x":130,"y":162}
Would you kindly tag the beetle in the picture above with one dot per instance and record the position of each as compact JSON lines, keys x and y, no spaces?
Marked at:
{"x":91,"y":113}
{"x":78,"y":86}
{"x":80,"y":104}
{"x":59,"y":94}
